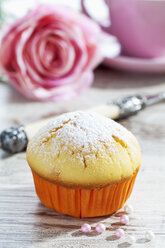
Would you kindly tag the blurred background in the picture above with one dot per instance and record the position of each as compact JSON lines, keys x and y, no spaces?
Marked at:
{"x":17,"y":8}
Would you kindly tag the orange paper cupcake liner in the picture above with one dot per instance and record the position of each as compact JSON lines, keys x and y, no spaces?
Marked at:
{"x":82,"y":202}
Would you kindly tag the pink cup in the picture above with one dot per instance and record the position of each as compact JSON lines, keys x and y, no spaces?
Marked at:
{"x":139,"y":26}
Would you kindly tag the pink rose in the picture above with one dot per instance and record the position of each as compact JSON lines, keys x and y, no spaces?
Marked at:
{"x":50,"y":54}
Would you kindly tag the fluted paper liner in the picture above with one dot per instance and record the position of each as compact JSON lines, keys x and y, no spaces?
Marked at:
{"x":82,"y":202}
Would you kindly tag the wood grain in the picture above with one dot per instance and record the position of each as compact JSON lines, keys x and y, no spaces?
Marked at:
{"x":25,"y":222}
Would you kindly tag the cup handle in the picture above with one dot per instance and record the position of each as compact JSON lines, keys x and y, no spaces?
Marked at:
{"x":85,"y":11}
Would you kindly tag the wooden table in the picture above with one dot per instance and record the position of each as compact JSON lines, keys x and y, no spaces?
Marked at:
{"x":25,"y":222}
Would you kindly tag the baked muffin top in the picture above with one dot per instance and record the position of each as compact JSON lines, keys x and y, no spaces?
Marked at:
{"x":83,"y":150}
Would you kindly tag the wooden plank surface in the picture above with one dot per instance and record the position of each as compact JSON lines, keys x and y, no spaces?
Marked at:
{"x":25,"y":222}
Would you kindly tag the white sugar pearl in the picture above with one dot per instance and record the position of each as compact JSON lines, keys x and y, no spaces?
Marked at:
{"x":86,"y":228}
{"x":100,"y":228}
{"x":149,"y":235}
{"x":124,"y":219}
{"x":131,"y":239}
{"x":119,"y":233}
{"x":128,"y":208}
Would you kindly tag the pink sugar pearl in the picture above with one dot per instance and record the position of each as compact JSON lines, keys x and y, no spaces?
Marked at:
{"x":86,"y":228}
{"x":119,"y":232}
{"x":100,"y":228}
{"x":124,"y":219}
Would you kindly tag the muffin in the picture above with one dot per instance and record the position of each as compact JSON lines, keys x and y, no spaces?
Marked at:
{"x":84,"y":164}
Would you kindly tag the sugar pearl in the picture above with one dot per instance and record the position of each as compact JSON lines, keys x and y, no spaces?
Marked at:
{"x":124,"y":219}
{"x":128,"y":209}
{"x":100,"y":228}
{"x":131,"y":240}
{"x":149,"y":235}
{"x":85,"y":228}
{"x":119,"y":232}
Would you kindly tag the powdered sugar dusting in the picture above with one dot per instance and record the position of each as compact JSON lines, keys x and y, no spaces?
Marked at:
{"x":81,"y":133}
